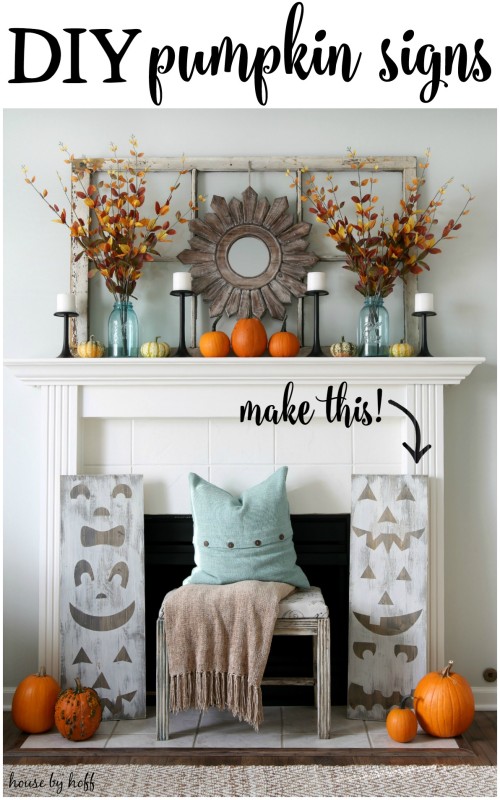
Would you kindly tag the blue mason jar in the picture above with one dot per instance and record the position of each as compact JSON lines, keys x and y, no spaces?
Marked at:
{"x":373,"y":328}
{"x":123,"y":331}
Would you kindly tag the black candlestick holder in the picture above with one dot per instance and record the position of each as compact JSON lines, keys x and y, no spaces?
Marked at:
{"x":66,"y":352}
{"x":424,"y":350}
{"x":316,"y":348}
{"x":182,"y":351}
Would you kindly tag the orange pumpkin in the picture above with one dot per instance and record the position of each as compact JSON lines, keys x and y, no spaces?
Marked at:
{"x":283,"y":344}
{"x":401,"y":723}
{"x":34,"y":702}
{"x":444,"y":703}
{"x":78,"y":713}
{"x":214,"y":343}
{"x":249,"y":338}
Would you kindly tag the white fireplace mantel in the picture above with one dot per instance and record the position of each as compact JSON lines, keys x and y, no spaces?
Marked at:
{"x":269,"y":371}
{"x":76,"y":390}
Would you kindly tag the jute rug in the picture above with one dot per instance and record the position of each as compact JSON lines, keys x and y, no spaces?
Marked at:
{"x":294,"y":781}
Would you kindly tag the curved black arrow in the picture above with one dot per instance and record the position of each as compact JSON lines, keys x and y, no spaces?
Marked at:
{"x":417,"y":453}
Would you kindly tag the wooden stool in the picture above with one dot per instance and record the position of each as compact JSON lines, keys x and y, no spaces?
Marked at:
{"x":303,"y":613}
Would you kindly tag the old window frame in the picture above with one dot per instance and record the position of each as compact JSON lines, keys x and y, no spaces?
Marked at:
{"x":406,"y":166}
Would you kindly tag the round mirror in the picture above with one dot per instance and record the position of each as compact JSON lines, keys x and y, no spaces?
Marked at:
{"x":248,"y":256}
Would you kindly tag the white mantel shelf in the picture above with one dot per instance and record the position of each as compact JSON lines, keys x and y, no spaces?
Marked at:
{"x":223,"y":371}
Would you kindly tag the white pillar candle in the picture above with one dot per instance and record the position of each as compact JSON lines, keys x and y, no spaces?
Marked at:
{"x":66,"y":302}
{"x":424,"y":301}
{"x":182,"y":282}
{"x":316,"y":281}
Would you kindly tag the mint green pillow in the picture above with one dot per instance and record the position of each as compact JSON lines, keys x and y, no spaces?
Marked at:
{"x":243,"y":538}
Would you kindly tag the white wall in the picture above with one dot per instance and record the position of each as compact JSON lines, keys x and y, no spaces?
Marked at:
{"x":463,"y":279}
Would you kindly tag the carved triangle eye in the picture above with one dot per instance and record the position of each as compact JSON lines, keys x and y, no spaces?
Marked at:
{"x":82,"y":657}
{"x":123,"y":655}
{"x":367,"y":494}
{"x":387,"y":516}
{"x":405,"y":494}
{"x":101,"y":682}
{"x":368,"y":573}
{"x":403,"y":575}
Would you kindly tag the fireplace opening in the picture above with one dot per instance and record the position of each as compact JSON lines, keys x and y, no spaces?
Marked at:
{"x":322,"y":546}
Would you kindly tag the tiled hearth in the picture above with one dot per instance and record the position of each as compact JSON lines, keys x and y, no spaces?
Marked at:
{"x":283,"y":727}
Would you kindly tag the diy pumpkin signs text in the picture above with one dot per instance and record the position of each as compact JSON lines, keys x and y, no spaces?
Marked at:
{"x":293,"y":55}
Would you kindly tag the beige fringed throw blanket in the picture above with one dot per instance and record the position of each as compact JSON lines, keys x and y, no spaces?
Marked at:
{"x":218,"y":642}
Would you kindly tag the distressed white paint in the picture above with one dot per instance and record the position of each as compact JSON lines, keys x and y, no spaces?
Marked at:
{"x":102,"y":590}
{"x":387,"y":592}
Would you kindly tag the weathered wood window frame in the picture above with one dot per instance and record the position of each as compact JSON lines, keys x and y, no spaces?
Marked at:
{"x":405,"y":165}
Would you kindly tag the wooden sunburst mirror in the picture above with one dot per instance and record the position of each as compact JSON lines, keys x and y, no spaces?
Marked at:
{"x":214,"y":276}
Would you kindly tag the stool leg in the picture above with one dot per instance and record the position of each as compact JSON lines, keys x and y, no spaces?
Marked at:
{"x":323,"y":682}
{"x":162,"y":682}
{"x":315,"y":668}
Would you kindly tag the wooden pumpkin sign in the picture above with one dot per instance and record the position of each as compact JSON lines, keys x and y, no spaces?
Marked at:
{"x":102,"y":590}
{"x":387,"y":592}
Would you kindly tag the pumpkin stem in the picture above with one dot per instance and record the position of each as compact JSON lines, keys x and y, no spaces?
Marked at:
{"x":283,"y":327}
{"x":404,"y":699}
{"x":79,"y":687}
{"x":156,"y":339}
{"x":41,"y":672}
{"x":216,"y":322}
{"x":447,"y":670}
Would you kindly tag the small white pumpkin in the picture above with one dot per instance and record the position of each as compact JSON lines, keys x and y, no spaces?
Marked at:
{"x":343,"y":349}
{"x":155,"y":349}
{"x":401,"y":350}
{"x":91,"y":349}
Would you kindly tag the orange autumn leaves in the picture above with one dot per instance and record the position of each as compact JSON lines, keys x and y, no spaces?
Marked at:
{"x":115,"y":236}
{"x":377,"y":248}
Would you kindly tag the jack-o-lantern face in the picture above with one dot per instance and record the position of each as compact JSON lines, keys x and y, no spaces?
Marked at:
{"x":102,"y":591}
{"x":107,"y":590}
{"x":387,"y":591}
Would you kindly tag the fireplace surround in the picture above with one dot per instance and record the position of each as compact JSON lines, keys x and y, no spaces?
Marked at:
{"x":165,"y":417}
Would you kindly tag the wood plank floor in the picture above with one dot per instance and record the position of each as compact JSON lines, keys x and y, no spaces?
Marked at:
{"x":477,"y":747}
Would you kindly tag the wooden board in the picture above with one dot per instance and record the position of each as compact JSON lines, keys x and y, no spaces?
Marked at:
{"x":387,"y":592}
{"x":102,"y":590}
